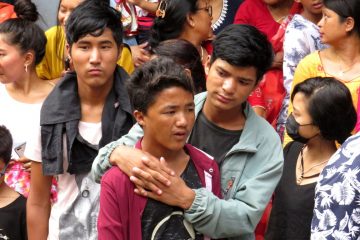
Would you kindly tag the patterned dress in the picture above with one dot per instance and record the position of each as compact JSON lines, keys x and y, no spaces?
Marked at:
{"x":337,"y":195}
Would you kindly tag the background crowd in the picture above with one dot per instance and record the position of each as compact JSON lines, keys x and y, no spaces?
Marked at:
{"x":180,"y":119}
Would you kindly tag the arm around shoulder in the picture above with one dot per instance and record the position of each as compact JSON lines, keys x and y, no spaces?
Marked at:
{"x":102,"y":161}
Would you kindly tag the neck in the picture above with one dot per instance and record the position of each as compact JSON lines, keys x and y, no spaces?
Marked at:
{"x":280,"y":9}
{"x":232,"y":119}
{"x":190,"y":36}
{"x":319,"y":149}
{"x":175,"y":159}
{"x":94,"y":96}
{"x":314,"y":18}
{"x":348,"y":50}
{"x":27,"y":84}
{"x":282,"y":5}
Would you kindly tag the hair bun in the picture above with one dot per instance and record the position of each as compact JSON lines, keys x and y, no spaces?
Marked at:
{"x":26,"y":10}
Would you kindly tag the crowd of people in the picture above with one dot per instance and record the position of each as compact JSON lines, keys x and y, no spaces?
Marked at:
{"x":180,"y":119}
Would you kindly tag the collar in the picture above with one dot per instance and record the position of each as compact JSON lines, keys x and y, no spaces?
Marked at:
{"x":56,"y":107}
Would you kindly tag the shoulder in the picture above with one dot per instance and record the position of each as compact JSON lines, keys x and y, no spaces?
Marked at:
{"x":115,"y":177}
{"x":51,"y":32}
{"x":260,"y":127}
{"x":199,"y":99}
{"x":310,"y":61}
{"x":311,"y":58}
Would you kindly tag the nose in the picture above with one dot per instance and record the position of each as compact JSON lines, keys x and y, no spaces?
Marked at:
{"x":321,"y":22}
{"x":94,"y":56}
{"x":66,"y":16}
{"x":182,"y":120}
{"x":229,"y":86}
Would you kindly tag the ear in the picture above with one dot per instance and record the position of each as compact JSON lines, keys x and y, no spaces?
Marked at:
{"x":350,"y":24}
{"x":29,"y":58}
{"x":207,"y":65}
{"x":139,"y":117}
{"x":68,"y":49}
{"x":190,"y":20}
{"x":188,"y":72}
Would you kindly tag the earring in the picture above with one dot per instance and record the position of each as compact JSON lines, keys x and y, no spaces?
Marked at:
{"x":26,"y":67}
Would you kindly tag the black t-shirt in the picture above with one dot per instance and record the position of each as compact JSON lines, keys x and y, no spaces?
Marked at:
{"x":293,"y":204}
{"x":13,"y":220}
{"x":213,"y":139}
{"x":167,"y":222}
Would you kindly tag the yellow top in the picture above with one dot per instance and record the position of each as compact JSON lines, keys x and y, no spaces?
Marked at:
{"x":311,"y":66}
{"x":52,"y":64}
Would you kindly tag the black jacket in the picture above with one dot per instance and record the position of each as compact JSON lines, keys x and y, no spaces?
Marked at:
{"x":60,"y":114}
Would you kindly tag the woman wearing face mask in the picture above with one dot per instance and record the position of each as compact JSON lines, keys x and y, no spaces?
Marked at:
{"x":323,"y":115}
{"x":340,"y":30}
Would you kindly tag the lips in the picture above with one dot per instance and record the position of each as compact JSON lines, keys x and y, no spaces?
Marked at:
{"x":95,"y":71}
{"x":223,"y":99}
{"x":181,"y":135}
{"x":317,"y":5}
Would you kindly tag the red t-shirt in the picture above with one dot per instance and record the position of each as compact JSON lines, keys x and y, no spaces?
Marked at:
{"x":256,"y":13}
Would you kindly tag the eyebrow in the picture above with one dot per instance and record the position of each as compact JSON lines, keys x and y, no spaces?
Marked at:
{"x":190,"y":104}
{"x":89,"y":42}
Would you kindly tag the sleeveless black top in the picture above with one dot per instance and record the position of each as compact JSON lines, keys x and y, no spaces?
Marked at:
{"x":293,"y":204}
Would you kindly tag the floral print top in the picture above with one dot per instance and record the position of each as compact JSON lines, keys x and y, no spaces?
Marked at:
{"x":337,"y":195}
{"x":302,"y":37}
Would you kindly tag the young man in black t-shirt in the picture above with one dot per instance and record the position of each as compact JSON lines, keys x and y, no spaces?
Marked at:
{"x":250,"y":159}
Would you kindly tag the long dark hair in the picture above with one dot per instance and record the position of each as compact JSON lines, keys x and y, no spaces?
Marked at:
{"x":172,"y":24}
{"x":23,"y":32}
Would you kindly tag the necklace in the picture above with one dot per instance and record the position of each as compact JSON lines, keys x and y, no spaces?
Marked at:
{"x":341,"y":71}
{"x":278,"y":20}
{"x":301,"y":177}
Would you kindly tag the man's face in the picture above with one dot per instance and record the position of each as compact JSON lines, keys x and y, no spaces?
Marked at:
{"x":229,"y":86}
{"x":169,"y":120}
{"x":94,"y":59}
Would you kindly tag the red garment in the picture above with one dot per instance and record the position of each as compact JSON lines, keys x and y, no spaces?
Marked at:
{"x":6,"y":12}
{"x":256,"y":13}
{"x":121,"y":209}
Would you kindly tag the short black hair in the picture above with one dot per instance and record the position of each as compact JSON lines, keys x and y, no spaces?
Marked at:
{"x":243,"y":46}
{"x":23,"y":32}
{"x":185,"y":54}
{"x":93,"y":17}
{"x":345,"y":9}
{"x":6,"y":143}
{"x":152,"y":78}
{"x":172,"y":25}
{"x":330,"y":106}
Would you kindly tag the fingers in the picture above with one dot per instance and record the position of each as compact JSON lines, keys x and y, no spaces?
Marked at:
{"x":27,"y":166}
{"x":145,"y":180}
{"x":156,"y":169}
{"x":165,"y":168}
